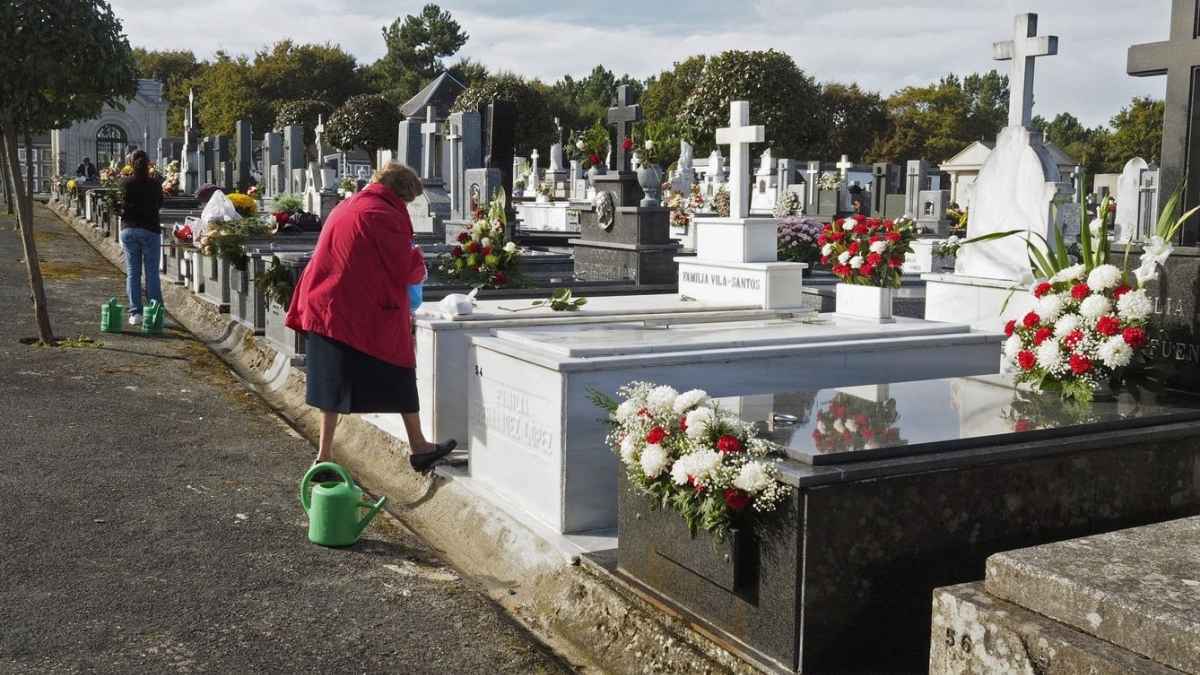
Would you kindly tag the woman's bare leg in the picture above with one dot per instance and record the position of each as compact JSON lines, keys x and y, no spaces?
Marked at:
{"x":416,"y":437}
{"x":329,"y":420}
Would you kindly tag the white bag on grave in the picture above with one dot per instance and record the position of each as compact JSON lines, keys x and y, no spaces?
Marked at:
{"x":457,"y":304}
{"x":218,"y":208}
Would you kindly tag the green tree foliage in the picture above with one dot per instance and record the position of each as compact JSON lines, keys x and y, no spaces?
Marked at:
{"x":322,"y":72}
{"x":468,"y":72}
{"x":667,"y":92}
{"x":305,"y":112}
{"x":227,"y":91}
{"x":60,"y":62}
{"x":937,"y":121}
{"x":535,"y":117}
{"x":366,"y":121}
{"x":782,"y":97}
{"x":416,"y":46}
{"x":580,"y":103}
{"x":1137,"y":132}
{"x":987,"y":103}
{"x":174,"y":68}
{"x":854,"y":120}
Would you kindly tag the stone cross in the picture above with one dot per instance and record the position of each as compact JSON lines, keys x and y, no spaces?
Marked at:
{"x":1177,"y":58}
{"x":844,"y":167}
{"x":620,"y":117}
{"x":429,"y":132}
{"x":534,"y":182}
{"x":1025,"y":46}
{"x":454,"y":138}
{"x":190,"y":121}
{"x":739,"y":135}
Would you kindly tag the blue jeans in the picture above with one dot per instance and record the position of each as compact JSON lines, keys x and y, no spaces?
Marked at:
{"x":143,"y":249}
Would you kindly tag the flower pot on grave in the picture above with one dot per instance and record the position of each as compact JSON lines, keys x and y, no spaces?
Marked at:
{"x":871,"y":303}
{"x":650,"y":179}
{"x":596,"y":170}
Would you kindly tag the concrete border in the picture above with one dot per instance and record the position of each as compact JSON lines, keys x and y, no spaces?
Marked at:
{"x":581,"y":610}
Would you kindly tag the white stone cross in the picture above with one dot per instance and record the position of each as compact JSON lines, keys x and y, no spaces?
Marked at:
{"x":429,"y":130}
{"x":319,"y":132}
{"x":738,"y":136}
{"x":1025,"y":46}
{"x":844,"y":167}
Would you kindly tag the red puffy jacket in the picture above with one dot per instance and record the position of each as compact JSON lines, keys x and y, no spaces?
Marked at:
{"x":355,"y":288}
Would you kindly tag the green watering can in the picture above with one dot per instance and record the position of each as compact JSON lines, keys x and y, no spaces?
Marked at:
{"x":332,"y":507}
{"x":112,"y":315}
{"x":153,"y":318}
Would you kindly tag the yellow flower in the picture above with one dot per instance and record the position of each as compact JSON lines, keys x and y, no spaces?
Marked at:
{"x":245,"y":205}
{"x":127,"y":170}
{"x":71,"y":185}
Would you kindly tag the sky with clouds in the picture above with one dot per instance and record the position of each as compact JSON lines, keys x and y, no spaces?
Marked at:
{"x":883,"y":46}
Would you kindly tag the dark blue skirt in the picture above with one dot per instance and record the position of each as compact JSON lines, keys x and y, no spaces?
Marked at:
{"x":344,"y":380}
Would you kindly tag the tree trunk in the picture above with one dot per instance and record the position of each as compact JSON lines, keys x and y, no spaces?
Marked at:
{"x":7,"y":189}
{"x":29,"y":181}
{"x":28,"y":245}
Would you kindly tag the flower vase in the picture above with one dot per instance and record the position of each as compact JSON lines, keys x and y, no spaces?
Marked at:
{"x":596,"y":170}
{"x":650,"y":179}
{"x":870,"y":303}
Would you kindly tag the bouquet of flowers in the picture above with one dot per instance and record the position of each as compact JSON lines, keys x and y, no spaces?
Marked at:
{"x":171,"y":178}
{"x":246,"y":205}
{"x":721,"y":202}
{"x":227,"y":240}
{"x":853,"y":423}
{"x":867,"y":251}
{"x":683,"y":207}
{"x":828,"y":182}
{"x":482,"y":258}
{"x":546,"y":189}
{"x":788,"y":205}
{"x":798,"y":239}
{"x":591,"y":146}
{"x":685,"y":453}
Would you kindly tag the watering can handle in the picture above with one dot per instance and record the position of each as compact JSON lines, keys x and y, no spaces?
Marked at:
{"x":306,"y":493}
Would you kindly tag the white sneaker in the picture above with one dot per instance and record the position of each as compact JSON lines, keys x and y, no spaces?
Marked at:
{"x":135,"y":319}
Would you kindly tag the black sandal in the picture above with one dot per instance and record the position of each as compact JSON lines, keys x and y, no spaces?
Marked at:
{"x":422,"y":462}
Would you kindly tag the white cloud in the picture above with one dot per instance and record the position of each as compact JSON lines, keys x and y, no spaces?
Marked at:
{"x":881,"y":46}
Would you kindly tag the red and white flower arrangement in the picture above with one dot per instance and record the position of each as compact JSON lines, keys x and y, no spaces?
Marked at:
{"x":482,"y":257}
{"x":685,"y":453}
{"x":867,"y":251}
{"x":852,"y":423}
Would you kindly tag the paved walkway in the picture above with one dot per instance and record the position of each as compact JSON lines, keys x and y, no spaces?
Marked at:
{"x":149,"y":520}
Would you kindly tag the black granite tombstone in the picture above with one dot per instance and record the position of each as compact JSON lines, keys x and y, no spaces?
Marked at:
{"x":499,"y":139}
{"x":887,"y":190}
{"x":1174,"y":347}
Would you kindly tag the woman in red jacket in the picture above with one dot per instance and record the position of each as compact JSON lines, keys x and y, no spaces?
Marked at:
{"x":352,"y":304}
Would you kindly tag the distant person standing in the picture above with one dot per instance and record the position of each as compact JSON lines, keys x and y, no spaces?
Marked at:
{"x":141,"y":234}
{"x":86,"y":170}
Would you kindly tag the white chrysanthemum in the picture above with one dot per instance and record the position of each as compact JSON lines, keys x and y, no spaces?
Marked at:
{"x":662,"y":398}
{"x":879,"y":246}
{"x":681,"y":469}
{"x":820,"y":427}
{"x":1068,"y":274}
{"x":698,"y":421}
{"x":849,"y":224}
{"x":1049,"y":355}
{"x":839,"y":426}
{"x":510,"y":247}
{"x":689,"y":399}
{"x":1115,"y":353}
{"x":827,"y":250}
{"x":654,"y":460}
{"x":1066,"y":324}
{"x":856,"y":262}
{"x":1049,"y":307}
{"x":753,"y":478}
{"x":485,"y":242}
{"x":1094,"y":306}
{"x":628,"y":409}
{"x":628,"y":449}
{"x":1012,"y":345}
{"x":1104,"y":277}
{"x":844,"y":257}
{"x":704,"y":464}
{"x":1135,"y":306}
{"x":851,"y":426}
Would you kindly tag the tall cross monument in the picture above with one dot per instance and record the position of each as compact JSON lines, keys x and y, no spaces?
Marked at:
{"x":739,"y":135}
{"x":429,"y":130}
{"x":1179,"y":59}
{"x":1022,"y":50}
{"x":621,"y":117}
{"x":844,"y":166}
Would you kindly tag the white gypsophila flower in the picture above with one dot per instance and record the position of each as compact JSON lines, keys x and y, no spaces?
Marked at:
{"x":879,"y":246}
{"x":851,"y":425}
{"x":698,"y":422}
{"x":1049,"y":307}
{"x":844,"y":257}
{"x":839,"y":426}
{"x":1135,"y":306}
{"x":856,"y":262}
{"x":662,"y":398}
{"x":1049,"y":355}
{"x":510,"y":247}
{"x":1115,"y":352}
{"x":1013,"y":345}
{"x":681,"y":469}
{"x":628,"y":449}
{"x":827,"y":249}
{"x":1094,"y":306}
{"x":689,"y":399}
{"x":1068,"y":274}
{"x":1066,"y":323}
{"x":654,"y":460}
{"x":753,"y":478}
{"x":1104,"y":277}
{"x":849,"y":224}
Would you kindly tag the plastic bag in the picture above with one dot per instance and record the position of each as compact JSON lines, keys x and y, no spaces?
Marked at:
{"x":457,"y":304}
{"x":218,"y":208}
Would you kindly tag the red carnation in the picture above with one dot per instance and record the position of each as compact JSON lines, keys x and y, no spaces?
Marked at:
{"x":1134,"y":337}
{"x":861,"y":228}
{"x":874,"y":238}
{"x":594,"y":160}
{"x":1073,"y":338}
{"x":1032,"y":319}
{"x":821,"y":240}
{"x":1010,"y":327}
{"x":893,"y":236}
{"x":824,"y":260}
{"x":1080,"y":291}
{"x":656,"y":435}
{"x":1108,"y":325}
{"x":472,"y":246}
{"x":500,"y":279}
{"x":487,"y":250}
{"x":464,"y":237}
{"x":853,"y":247}
{"x":456,"y":251}
{"x":281,"y":217}
{"x":1026,"y":359}
{"x":1022,"y":426}
{"x":866,"y":270}
{"x":875,"y":259}
{"x":736,"y":499}
{"x":1080,"y":364}
{"x":1042,"y":335}
{"x":627,"y":144}
{"x":683,"y":422}
{"x":895,"y":263}
{"x":1119,"y":291}
{"x":729,"y":445}
{"x":1042,"y":289}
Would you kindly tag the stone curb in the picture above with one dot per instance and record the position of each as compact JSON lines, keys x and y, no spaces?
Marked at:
{"x":581,"y":610}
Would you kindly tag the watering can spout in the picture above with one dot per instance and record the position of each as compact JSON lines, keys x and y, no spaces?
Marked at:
{"x":366,"y":520}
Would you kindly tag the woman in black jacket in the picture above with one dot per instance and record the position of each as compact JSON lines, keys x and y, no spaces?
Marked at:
{"x":141,"y":234}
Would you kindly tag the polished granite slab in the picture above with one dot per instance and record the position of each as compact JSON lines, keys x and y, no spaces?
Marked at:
{"x":849,"y":424}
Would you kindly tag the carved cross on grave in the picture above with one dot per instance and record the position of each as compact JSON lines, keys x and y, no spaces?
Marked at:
{"x":844,"y":167}
{"x":190,"y":122}
{"x":1022,"y":50}
{"x":620,"y":117}
{"x":739,"y":135}
{"x":319,"y":141}
{"x":429,"y":130}
{"x":1178,"y":59}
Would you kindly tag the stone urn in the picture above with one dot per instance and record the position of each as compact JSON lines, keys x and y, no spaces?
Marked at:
{"x":650,"y":179}
{"x":869,"y":303}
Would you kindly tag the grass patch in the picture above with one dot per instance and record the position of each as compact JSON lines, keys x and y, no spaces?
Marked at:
{"x":72,"y":271}
{"x":80,"y":342}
